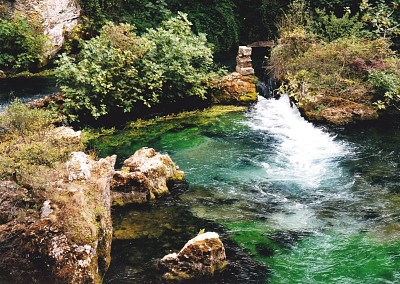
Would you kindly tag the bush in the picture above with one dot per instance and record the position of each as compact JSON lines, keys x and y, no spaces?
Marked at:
{"x":183,"y":60}
{"x":329,"y":27}
{"x":21,"y":45}
{"x":119,"y":71}
{"x":387,"y":86}
{"x":27,"y":146}
{"x":104,"y":77}
{"x":344,"y":68}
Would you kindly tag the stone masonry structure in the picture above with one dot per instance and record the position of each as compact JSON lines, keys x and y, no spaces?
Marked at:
{"x":243,"y":61}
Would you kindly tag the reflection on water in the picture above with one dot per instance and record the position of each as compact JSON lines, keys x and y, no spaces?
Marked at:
{"x":312,"y":206}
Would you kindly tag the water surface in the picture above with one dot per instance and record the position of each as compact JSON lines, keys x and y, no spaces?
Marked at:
{"x":308,"y":204}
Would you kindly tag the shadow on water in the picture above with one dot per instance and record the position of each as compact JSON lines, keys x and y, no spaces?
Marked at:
{"x":26,"y":89}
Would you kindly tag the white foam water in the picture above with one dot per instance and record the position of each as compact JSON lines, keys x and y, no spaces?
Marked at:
{"x":304,"y":155}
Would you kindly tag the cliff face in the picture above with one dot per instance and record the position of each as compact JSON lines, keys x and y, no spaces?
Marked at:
{"x":57,"y":16}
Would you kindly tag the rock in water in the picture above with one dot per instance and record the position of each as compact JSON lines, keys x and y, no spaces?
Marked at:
{"x":143,"y":177}
{"x":236,"y":89}
{"x":201,"y":257}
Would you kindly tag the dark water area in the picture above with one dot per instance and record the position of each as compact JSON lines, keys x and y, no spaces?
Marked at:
{"x":144,"y":234}
{"x":302,"y":204}
{"x":27,"y":89}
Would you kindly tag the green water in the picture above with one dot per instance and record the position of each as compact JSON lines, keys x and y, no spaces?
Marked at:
{"x":310,"y":205}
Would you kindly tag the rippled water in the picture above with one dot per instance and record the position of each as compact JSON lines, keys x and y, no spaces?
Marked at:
{"x":310,"y":205}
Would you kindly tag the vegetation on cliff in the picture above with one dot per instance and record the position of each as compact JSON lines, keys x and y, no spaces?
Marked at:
{"x":21,"y":44}
{"x":29,"y":148}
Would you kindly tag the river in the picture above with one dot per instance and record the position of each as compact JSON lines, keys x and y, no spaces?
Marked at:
{"x":26,"y":89}
{"x":302,"y":204}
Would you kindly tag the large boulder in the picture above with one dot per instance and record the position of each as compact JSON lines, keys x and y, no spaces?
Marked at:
{"x":58,"y":17}
{"x":143,"y":177}
{"x":236,"y":89}
{"x":201,"y":257}
{"x":63,"y":233}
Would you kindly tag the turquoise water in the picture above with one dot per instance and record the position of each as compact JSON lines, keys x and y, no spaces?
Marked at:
{"x":308,"y":204}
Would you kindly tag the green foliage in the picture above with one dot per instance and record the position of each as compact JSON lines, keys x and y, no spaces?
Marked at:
{"x":143,"y":14}
{"x":105,"y":75}
{"x":387,"y":85}
{"x":292,"y":44}
{"x":382,"y":16}
{"x":183,"y":60}
{"x":342,"y":68}
{"x":27,"y":146}
{"x":297,"y":16}
{"x":220,"y":23}
{"x":118,"y":71}
{"x":330,"y":27}
{"x":21,"y":44}
{"x":19,"y":122}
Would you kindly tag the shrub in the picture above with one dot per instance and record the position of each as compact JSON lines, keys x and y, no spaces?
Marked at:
{"x":21,"y":44}
{"x":27,"y":146}
{"x":387,"y":86}
{"x":104,"y":77}
{"x":342,"y":68}
{"x":183,"y":59}
{"x":119,"y":71}
{"x":329,"y":27}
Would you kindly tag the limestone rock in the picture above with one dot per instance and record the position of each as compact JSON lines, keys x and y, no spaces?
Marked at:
{"x":58,"y":17}
{"x":67,"y":135}
{"x":338,"y":111}
{"x":201,"y":257}
{"x":63,"y":233}
{"x":143,"y":177}
{"x":236,"y":89}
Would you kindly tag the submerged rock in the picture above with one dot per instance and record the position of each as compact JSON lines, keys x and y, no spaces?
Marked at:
{"x":236,"y":89}
{"x":143,"y":177}
{"x":201,"y":257}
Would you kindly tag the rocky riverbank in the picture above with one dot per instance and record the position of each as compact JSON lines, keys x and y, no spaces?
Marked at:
{"x":61,"y":231}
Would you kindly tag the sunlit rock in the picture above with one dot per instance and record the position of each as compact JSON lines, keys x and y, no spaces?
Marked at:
{"x":236,"y":89}
{"x":58,"y":17}
{"x":243,"y":61}
{"x":143,"y":177}
{"x":201,"y":257}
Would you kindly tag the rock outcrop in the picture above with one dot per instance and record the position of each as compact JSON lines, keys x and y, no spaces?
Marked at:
{"x":60,"y":233}
{"x":201,"y":257}
{"x":58,"y":17}
{"x":236,"y":89}
{"x":337,"y":111}
{"x":143,"y":177}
